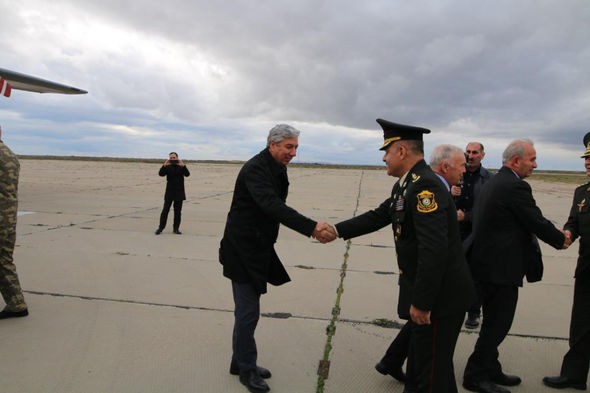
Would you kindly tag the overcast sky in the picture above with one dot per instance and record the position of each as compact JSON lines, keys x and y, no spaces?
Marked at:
{"x":208,"y":79}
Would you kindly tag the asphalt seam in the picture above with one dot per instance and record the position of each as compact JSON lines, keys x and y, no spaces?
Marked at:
{"x":273,"y":315}
{"x":101,"y":217}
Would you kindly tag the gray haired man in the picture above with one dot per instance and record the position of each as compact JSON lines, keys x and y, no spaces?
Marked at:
{"x":247,"y":248}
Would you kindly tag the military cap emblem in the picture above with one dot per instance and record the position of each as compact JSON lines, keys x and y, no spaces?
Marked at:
{"x":426,"y":202}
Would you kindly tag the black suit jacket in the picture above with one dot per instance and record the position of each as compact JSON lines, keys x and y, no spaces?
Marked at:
{"x":505,"y":220}
{"x":175,"y":175}
{"x":258,"y":207}
{"x":434,"y":275}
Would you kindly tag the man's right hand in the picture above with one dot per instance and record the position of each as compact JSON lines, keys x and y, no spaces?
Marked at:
{"x":324,"y":232}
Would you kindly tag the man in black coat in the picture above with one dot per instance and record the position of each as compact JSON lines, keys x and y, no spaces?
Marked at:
{"x":576,"y":362}
{"x":435,"y":286}
{"x":503,"y":249}
{"x":175,"y":172}
{"x":247,"y":248}
{"x":465,"y":196}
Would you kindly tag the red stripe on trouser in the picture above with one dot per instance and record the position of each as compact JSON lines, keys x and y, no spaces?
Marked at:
{"x":432,"y":372}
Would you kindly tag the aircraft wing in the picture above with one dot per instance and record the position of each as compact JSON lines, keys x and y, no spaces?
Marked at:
{"x":15,"y":80}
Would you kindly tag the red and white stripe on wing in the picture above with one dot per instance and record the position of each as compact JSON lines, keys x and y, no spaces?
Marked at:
{"x":5,"y":88}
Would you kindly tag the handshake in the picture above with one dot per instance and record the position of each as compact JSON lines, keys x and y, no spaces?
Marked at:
{"x":324,"y":232}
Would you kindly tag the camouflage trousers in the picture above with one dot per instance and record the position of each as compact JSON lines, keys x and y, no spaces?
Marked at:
{"x":9,"y":283}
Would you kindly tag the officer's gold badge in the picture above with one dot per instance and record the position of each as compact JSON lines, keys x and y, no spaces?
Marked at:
{"x":426,"y":202}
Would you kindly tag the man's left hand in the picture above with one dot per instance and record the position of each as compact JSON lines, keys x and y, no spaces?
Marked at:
{"x":419,"y":317}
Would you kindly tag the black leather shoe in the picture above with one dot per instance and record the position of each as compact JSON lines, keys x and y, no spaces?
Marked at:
{"x":472,"y":322}
{"x":560,"y":382}
{"x":484,"y":387}
{"x":177,"y":232}
{"x":506,"y":380}
{"x":253,"y":382}
{"x":158,"y":231}
{"x":13,"y":314}
{"x":396,"y":372}
{"x":263,"y":372}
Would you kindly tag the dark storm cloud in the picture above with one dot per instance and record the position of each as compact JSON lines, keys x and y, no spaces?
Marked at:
{"x":466,"y":69}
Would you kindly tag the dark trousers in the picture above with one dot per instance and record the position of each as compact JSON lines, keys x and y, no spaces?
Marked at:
{"x":576,"y":361}
{"x":475,"y":308}
{"x":499,"y":305}
{"x":166,"y":209}
{"x":246,"y":314}
{"x":430,"y":357}
{"x":396,"y":354}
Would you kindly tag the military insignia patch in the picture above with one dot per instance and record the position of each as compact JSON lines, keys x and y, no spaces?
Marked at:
{"x":426,"y":202}
{"x":415,"y":178}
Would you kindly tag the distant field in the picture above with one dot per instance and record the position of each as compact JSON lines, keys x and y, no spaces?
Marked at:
{"x":561,"y":177}
{"x":570,"y":177}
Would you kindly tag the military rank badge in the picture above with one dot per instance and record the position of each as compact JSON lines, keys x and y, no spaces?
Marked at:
{"x":426,"y":202}
{"x":581,"y":205}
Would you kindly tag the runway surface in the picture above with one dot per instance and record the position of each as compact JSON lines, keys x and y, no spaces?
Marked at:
{"x":115,"y":308}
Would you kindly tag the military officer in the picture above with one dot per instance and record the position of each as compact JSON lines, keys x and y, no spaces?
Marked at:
{"x":435,"y":286}
{"x":9,"y":283}
{"x":574,"y":368}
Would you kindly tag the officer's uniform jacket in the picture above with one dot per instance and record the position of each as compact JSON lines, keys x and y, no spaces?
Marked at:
{"x":434,"y":275}
{"x":578,"y":224}
{"x":258,"y":207}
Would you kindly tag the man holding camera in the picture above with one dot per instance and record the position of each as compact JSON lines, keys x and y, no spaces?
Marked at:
{"x":175,"y":172}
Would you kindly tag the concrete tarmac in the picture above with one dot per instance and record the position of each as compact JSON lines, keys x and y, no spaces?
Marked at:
{"x":115,"y":308}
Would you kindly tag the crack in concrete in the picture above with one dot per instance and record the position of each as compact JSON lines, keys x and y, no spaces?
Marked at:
{"x":324,"y":364}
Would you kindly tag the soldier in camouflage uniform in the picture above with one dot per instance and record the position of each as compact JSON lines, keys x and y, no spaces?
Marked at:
{"x":9,"y":283}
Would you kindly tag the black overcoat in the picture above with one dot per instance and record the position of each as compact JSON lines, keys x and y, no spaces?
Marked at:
{"x":175,"y":175}
{"x":506,"y":217}
{"x":258,"y":207}
{"x":434,"y":275}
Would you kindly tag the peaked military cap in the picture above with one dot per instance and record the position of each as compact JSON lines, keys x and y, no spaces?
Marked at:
{"x":395,"y":132}
{"x":586,"y":145}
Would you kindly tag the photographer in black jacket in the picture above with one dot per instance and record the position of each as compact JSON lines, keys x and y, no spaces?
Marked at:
{"x":175,"y":172}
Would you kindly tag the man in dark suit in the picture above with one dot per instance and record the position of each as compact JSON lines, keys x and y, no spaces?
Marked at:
{"x":175,"y":172}
{"x":576,"y":362}
{"x":503,"y":250}
{"x":435,"y":286}
{"x":247,"y":248}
